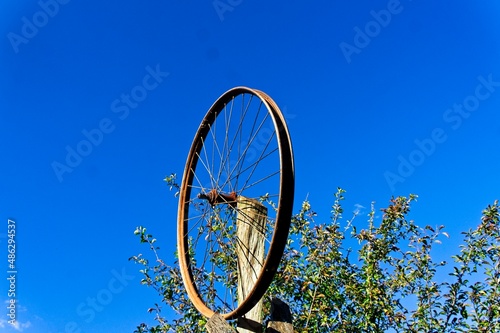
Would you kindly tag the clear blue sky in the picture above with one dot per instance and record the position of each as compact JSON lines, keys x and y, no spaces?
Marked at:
{"x":382,"y":98}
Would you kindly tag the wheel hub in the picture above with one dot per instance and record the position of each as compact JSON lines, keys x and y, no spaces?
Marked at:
{"x":214,"y":197}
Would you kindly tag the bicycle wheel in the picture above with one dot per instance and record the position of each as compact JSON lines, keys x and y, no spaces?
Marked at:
{"x":241,"y":158}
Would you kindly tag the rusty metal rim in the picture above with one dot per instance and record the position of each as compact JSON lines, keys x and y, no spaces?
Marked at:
{"x":283,"y":216}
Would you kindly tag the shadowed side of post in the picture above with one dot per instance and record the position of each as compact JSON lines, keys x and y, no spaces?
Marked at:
{"x":281,"y":318}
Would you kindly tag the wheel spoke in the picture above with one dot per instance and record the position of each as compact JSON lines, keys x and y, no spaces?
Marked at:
{"x":242,"y":156}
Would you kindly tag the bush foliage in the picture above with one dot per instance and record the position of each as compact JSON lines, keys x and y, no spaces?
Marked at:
{"x":387,"y":282}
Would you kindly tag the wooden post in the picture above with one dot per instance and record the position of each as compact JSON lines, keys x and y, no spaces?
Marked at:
{"x":280,"y":321}
{"x":217,"y":324}
{"x":251,"y":226}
